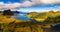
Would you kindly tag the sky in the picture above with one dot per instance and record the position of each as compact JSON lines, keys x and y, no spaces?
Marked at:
{"x":30,"y":5}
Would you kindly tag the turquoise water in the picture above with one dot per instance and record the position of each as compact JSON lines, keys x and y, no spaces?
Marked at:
{"x":22,"y":17}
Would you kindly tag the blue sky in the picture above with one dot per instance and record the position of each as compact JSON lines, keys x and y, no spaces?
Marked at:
{"x":6,"y":1}
{"x":37,"y":6}
{"x":42,"y":8}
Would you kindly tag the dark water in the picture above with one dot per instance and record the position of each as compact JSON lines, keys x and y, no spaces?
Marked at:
{"x":56,"y":27}
{"x":23,"y":17}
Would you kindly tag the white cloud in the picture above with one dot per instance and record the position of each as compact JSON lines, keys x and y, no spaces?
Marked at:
{"x":12,"y":6}
{"x":26,"y":3}
{"x":50,"y":1}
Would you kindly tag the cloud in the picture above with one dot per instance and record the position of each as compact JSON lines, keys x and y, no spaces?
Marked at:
{"x":12,"y":6}
{"x":26,"y":3}
{"x":50,"y":1}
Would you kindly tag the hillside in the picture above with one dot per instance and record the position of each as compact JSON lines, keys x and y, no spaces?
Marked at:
{"x":42,"y":16}
{"x":8,"y":24}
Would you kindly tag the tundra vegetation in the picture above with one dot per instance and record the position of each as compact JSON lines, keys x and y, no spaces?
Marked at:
{"x":8,"y":24}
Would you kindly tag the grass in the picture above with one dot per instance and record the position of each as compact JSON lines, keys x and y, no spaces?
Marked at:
{"x":12,"y":25}
{"x":43,"y":15}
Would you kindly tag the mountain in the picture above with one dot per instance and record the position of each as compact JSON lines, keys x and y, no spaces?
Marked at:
{"x":23,"y":12}
{"x":15,"y":11}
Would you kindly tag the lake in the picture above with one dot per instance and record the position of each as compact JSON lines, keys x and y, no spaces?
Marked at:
{"x":22,"y":16}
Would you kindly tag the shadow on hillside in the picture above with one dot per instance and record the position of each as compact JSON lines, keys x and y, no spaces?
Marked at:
{"x":21,"y":27}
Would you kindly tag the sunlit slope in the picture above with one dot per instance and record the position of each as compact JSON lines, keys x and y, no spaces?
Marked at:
{"x":6,"y":19}
{"x":12,"y":25}
{"x":42,"y":16}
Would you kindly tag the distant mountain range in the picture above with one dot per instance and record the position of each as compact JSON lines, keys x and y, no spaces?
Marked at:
{"x":20,"y":12}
